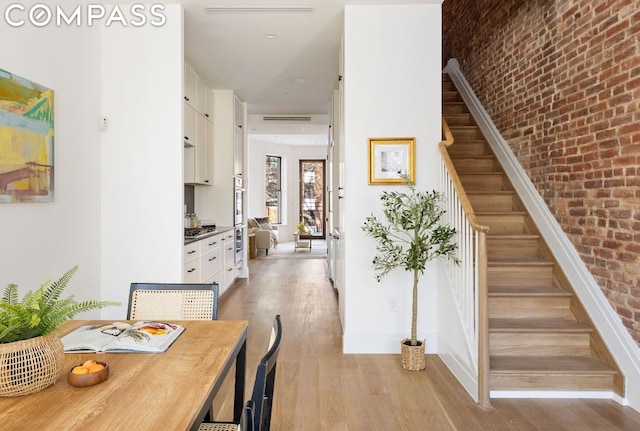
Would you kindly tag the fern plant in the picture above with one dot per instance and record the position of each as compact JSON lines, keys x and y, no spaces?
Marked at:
{"x":412,"y":236}
{"x":41,"y":311}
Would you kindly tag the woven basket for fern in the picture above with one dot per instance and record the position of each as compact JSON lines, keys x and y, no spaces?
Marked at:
{"x":28,"y":366}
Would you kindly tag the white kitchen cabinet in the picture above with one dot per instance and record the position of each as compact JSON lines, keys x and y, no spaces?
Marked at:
{"x":217,"y":202}
{"x":202,"y":91}
{"x":211,"y":260}
{"x":201,"y":174}
{"x":191,"y":272}
{"x":211,"y":257}
{"x":190,"y":118}
{"x":196,"y":92}
{"x":229,"y":260}
{"x":238,"y":136}
{"x":190,"y":86}
{"x":198,"y":136}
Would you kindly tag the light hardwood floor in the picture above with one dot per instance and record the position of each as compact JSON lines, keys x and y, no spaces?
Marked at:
{"x":319,"y":388}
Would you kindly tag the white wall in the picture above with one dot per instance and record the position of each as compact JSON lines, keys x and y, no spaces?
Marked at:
{"x":392,"y":85}
{"x":40,"y":241}
{"x":142,"y":180}
{"x":255,"y":177}
{"x":117,"y":211}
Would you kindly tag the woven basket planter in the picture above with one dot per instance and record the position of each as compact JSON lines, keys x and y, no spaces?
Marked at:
{"x":28,"y":366}
{"x":413,"y":356}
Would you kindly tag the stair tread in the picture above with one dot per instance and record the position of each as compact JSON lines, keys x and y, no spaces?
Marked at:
{"x":527,"y":291}
{"x":537,"y":325}
{"x":491,"y":173}
{"x":512,"y":235}
{"x":545,"y":365}
{"x":515,"y":261}
{"x":483,"y":157}
{"x":490,"y":192}
{"x":498,"y":213}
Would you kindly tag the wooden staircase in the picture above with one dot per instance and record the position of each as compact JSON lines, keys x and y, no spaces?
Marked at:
{"x":540,"y":337}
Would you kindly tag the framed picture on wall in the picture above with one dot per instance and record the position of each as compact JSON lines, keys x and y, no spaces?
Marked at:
{"x":390,"y":158}
{"x":26,"y":140}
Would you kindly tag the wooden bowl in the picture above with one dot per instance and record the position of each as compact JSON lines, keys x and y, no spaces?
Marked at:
{"x":89,"y":379}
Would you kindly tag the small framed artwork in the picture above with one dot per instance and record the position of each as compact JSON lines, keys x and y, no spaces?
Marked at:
{"x":390,"y":158}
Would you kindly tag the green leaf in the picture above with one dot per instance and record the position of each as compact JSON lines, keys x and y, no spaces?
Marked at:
{"x":41,"y":311}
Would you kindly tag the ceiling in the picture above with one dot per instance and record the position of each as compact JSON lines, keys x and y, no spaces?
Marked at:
{"x":279,"y":56}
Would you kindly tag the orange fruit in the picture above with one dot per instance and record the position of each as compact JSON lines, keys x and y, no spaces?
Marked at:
{"x":88,"y":364}
{"x":96,"y":367}
{"x":79,"y":370}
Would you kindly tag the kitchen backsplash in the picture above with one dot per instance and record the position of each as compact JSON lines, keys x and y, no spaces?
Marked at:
{"x":189,"y":198}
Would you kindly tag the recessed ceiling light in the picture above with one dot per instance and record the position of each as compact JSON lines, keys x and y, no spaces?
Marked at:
{"x":270,"y":35}
{"x":297,"y":79}
{"x":279,"y":70}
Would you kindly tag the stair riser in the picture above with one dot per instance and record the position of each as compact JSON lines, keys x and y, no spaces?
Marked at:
{"x":468,"y":149}
{"x":454,"y":108}
{"x":466,"y":133}
{"x":451,"y":96}
{"x":503,"y":222}
{"x":519,"y":276}
{"x":537,"y":344}
{"x":498,"y":202}
{"x":481,"y":182}
{"x":459,"y":119}
{"x":529,"y":307}
{"x":475,"y":165}
{"x":510,"y":247}
{"x":448,"y":86}
{"x":551,"y":382}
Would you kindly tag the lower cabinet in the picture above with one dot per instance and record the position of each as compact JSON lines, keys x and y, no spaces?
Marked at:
{"x":191,"y":272}
{"x":211,"y":260}
{"x":229,"y":261}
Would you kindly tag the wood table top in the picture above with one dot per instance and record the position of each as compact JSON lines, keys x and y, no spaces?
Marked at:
{"x":145,"y":391}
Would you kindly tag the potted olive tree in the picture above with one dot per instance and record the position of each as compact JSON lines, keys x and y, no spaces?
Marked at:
{"x":31,"y":353}
{"x":411,"y":237}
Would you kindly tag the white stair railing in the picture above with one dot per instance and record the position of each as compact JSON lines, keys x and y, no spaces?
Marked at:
{"x":467,"y":282}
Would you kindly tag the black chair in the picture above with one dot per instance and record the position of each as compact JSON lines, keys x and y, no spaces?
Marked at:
{"x":173,"y":301}
{"x":263,"y":388}
{"x":247,"y":421}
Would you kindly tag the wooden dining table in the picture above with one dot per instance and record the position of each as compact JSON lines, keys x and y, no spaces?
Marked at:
{"x":145,"y":391}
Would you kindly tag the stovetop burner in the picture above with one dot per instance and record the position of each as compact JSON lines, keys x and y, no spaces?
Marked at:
{"x":195,"y":232}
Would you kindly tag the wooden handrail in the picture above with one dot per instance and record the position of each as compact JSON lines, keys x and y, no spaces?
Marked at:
{"x":481,"y":265}
{"x":455,"y":179}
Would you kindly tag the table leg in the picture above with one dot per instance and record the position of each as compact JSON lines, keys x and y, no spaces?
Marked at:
{"x":241,"y":365}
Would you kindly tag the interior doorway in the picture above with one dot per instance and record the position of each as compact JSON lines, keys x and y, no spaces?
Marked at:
{"x":312,"y":189}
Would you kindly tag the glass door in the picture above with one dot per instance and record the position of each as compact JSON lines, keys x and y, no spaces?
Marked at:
{"x":312,"y":186}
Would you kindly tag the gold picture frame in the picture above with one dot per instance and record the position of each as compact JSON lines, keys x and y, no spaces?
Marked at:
{"x":389,"y":158}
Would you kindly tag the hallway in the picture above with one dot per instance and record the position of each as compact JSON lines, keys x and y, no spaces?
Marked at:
{"x":319,"y":388}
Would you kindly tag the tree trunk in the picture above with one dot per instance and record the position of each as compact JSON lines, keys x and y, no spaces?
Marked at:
{"x":414,"y":310}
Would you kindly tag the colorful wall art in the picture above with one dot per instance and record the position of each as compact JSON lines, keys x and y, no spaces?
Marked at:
{"x":26,"y":140}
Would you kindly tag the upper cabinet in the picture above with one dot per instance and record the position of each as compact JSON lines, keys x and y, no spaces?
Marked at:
{"x":218,"y":202}
{"x":190,"y":87}
{"x":238,"y":136}
{"x":198,"y":130}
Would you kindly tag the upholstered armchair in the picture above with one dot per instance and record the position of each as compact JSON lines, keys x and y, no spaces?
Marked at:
{"x":266,"y":234}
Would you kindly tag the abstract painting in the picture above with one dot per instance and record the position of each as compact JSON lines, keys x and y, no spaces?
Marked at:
{"x":26,"y":140}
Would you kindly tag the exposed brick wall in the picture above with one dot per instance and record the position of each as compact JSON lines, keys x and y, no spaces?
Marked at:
{"x":561,"y":81}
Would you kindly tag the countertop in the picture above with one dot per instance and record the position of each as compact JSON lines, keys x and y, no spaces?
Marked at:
{"x":217,"y":231}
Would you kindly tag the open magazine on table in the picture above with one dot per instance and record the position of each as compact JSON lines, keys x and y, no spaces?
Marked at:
{"x":146,"y":337}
